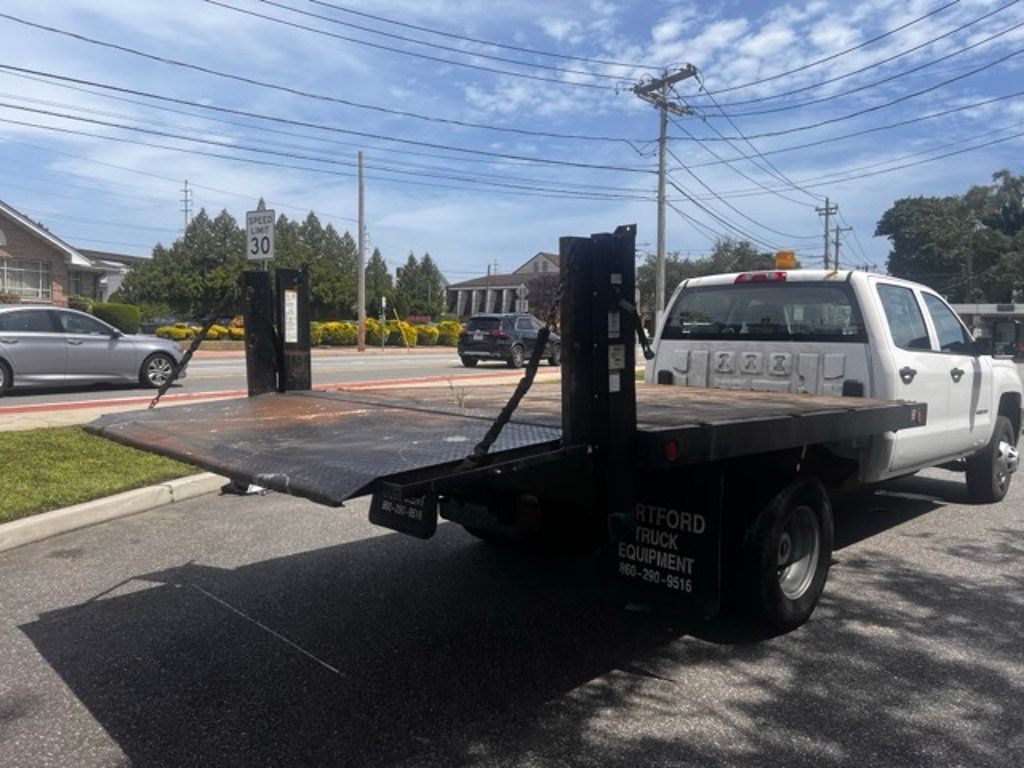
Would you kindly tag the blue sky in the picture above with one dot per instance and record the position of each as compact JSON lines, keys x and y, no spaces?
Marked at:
{"x":485,"y":154}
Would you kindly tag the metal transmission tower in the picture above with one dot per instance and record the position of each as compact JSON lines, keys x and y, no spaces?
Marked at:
{"x":186,"y":204}
{"x":835,"y":253}
{"x":656,"y":91}
{"x":828,"y":211}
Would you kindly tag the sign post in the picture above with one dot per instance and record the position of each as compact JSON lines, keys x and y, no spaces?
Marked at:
{"x":259,"y":235}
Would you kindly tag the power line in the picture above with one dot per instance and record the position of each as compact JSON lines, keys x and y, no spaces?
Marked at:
{"x":335,"y":129}
{"x":887,"y":104}
{"x":480,"y":41}
{"x":296,"y":91}
{"x":884,"y":80}
{"x":844,"y":52}
{"x":415,"y":41}
{"x":776,"y":172}
{"x":873,"y":129}
{"x":873,"y":65}
{"x":733,"y":208}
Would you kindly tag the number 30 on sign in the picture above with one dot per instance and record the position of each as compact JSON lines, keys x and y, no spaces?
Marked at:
{"x":259,"y":235}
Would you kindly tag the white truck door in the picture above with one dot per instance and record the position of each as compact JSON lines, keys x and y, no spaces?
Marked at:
{"x":923,"y":375}
{"x":970,"y":377}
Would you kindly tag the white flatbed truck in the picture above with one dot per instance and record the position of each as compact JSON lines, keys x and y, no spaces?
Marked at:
{"x":693,"y":492}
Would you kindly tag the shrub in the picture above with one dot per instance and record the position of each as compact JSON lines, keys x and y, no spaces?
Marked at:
{"x":400,"y":334}
{"x":216,"y":332}
{"x":236,"y":333}
{"x":338,"y":333}
{"x":9,"y":298}
{"x":426,"y":335}
{"x":81,"y":303}
{"x":316,"y":334}
{"x":126,"y":317}
{"x":373,"y":332}
{"x":448,"y":333}
{"x":177,"y":332}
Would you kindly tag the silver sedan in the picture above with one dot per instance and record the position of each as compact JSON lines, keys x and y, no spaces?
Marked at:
{"x":43,"y":346}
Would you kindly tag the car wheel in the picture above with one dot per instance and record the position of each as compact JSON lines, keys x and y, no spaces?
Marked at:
{"x":156,"y":370}
{"x":556,"y":355}
{"x":989,"y":471}
{"x":516,"y":356}
{"x":5,"y":378}
{"x":788,"y":550}
{"x":469,"y":362}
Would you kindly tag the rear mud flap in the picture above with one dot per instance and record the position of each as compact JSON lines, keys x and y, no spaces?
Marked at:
{"x":671,"y":543}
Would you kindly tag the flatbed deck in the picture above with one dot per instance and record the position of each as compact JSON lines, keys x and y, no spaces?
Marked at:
{"x":332,"y":446}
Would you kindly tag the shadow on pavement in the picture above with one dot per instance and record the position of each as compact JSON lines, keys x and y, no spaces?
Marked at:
{"x":385,"y":652}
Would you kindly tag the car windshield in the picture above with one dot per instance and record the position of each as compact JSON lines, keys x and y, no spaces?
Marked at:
{"x":766,"y":311}
{"x":483,"y":323}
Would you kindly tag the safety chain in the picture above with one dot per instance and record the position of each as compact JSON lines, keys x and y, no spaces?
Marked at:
{"x":481,"y":450}
{"x":200,"y":337}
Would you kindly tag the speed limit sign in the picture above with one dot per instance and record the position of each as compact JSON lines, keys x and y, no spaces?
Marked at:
{"x":259,"y":235}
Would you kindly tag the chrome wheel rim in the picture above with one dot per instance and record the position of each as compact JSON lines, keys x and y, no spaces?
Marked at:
{"x":158,"y":370}
{"x":1007,"y":460}
{"x":798,"y":551}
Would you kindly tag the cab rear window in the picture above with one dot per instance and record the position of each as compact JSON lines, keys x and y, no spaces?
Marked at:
{"x":766,"y":312}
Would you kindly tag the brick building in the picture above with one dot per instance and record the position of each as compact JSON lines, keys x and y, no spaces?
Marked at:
{"x":39,"y":267}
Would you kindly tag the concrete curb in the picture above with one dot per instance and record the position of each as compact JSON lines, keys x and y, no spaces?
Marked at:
{"x":47,"y":524}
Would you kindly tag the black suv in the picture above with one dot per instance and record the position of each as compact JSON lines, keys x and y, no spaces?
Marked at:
{"x":505,"y":337}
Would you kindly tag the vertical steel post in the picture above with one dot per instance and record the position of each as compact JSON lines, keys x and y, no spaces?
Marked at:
{"x":260,"y":337}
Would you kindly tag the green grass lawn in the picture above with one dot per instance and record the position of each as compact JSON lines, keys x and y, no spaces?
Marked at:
{"x":44,"y":469}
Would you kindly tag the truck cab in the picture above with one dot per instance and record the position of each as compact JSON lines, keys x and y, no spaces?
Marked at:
{"x":855,"y":334}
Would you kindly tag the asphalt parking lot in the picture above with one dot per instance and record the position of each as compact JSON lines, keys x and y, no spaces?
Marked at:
{"x":270,"y":631}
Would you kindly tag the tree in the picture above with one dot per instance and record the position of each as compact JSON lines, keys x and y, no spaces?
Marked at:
{"x":419,"y":288}
{"x":378,"y":283}
{"x":969,"y":248}
{"x":196,"y":272}
{"x":726,"y":256}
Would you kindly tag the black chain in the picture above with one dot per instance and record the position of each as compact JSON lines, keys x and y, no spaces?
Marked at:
{"x":481,"y":450}
{"x":200,"y":337}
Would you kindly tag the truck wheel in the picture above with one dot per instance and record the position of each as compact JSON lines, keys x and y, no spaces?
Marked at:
{"x":469,"y":362}
{"x":5,"y":378}
{"x":516,"y":357}
{"x":789,"y":549}
{"x":989,"y":471}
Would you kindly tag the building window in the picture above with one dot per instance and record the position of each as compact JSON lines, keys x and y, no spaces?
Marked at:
{"x":543,"y":266}
{"x":29,"y":279}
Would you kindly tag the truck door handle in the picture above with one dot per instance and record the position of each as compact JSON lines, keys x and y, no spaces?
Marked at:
{"x":75,"y":342}
{"x":957,"y":374}
{"x":907,"y":374}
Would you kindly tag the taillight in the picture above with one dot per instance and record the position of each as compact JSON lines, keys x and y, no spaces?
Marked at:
{"x":671,"y":449}
{"x":760,"y":277}
{"x":498,"y":334}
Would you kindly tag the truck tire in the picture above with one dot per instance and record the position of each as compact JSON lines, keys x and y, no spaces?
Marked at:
{"x":5,"y":378}
{"x":556,"y":355}
{"x":788,"y":550}
{"x":989,"y":471}
{"x":469,"y":362}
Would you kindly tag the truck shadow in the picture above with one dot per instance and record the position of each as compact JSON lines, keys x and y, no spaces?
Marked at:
{"x":385,"y":652}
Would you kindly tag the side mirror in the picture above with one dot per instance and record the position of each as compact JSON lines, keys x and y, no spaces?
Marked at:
{"x":1005,"y":335}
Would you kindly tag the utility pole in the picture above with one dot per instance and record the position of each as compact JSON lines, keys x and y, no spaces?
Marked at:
{"x":361,"y":282}
{"x":835,"y":253}
{"x":186,"y":203}
{"x":656,"y":92}
{"x":827,"y":212}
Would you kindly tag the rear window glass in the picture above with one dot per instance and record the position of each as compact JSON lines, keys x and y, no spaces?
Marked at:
{"x":483,"y":323}
{"x":766,"y":312}
{"x":30,"y":320}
